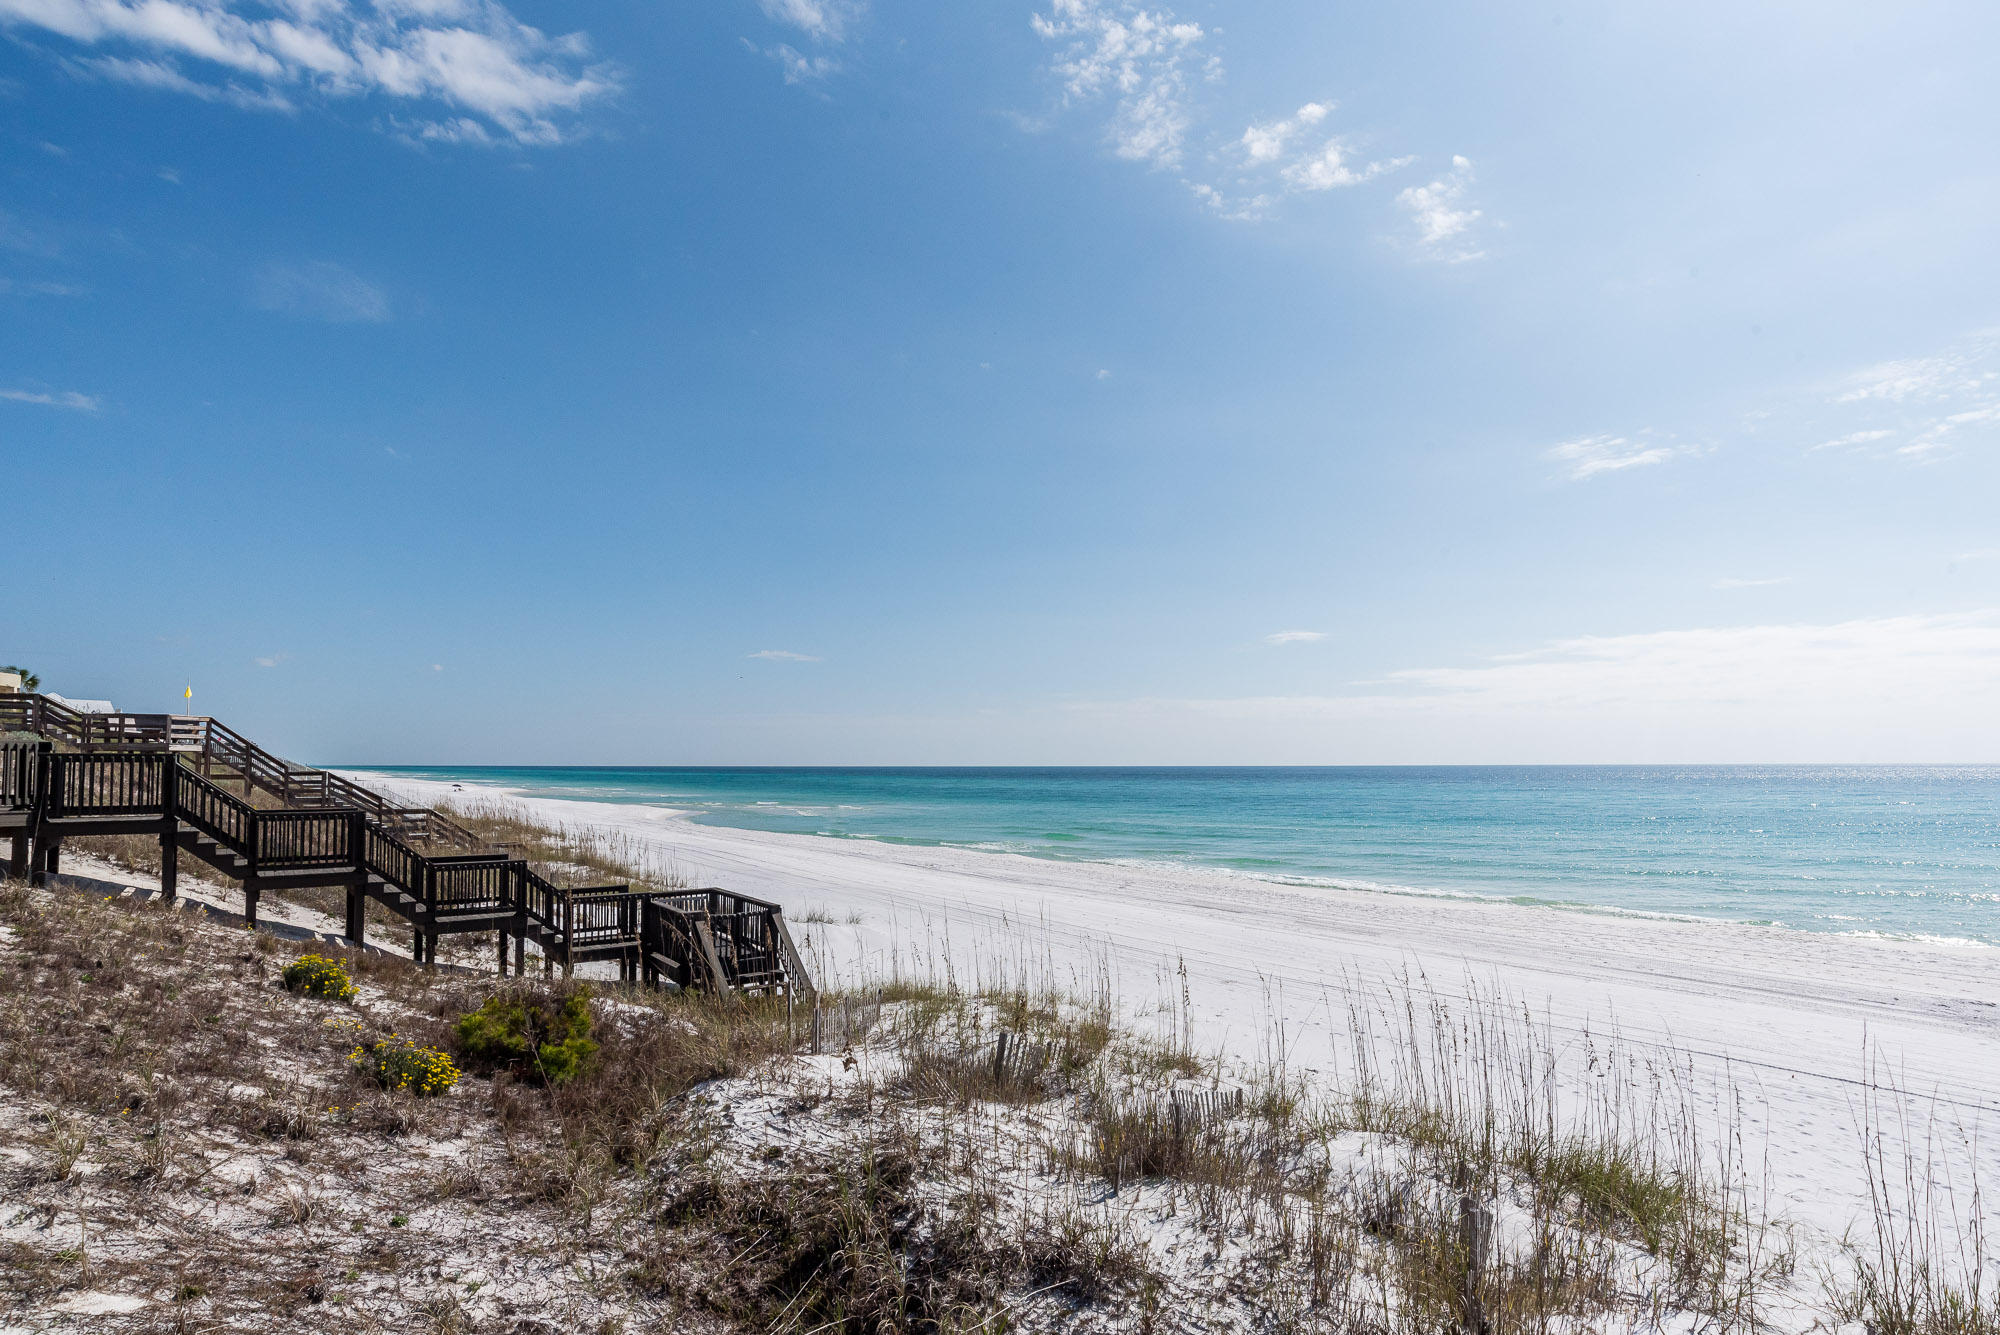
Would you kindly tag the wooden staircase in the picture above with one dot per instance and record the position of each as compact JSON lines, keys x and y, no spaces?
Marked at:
{"x":165,"y":775}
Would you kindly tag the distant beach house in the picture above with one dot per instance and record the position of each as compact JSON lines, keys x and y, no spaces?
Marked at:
{"x":10,"y":683}
{"x":84,"y":706}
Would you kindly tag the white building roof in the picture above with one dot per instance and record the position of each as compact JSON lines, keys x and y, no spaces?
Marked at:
{"x":85,"y":706}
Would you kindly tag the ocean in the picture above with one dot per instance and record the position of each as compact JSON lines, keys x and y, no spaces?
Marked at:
{"x":1896,"y":851}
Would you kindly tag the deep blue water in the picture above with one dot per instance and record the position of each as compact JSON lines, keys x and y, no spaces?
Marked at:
{"x":1910,"y":851}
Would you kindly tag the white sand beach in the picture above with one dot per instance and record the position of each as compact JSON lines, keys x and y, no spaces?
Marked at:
{"x":1786,"y":1017}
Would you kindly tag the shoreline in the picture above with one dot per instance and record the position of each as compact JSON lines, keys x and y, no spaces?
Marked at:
{"x":1565,"y":890}
{"x":1782,"y":1018}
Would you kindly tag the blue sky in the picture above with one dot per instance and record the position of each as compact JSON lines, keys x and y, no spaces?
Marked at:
{"x":1058,"y":382}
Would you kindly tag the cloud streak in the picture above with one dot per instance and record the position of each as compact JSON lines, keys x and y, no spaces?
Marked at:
{"x":1295,"y":637}
{"x":1922,"y":409}
{"x":821,"y":20}
{"x":319,"y":291}
{"x":470,"y":70}
{"x":1589,"y":456}
{"x":1888,"y":688}
{"x":784,"y":656}
{"x":70,"y":399}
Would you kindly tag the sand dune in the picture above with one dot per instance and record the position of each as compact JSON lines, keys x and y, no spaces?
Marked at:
{"x":1785,"y":1017}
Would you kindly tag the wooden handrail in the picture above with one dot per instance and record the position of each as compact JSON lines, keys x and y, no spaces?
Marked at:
{"x":297,"y":786}
{"x":142,"y":765}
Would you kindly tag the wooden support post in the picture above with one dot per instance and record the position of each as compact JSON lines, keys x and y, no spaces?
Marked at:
{"x":357,"y":909}
{"x":357,"y":889}
{"x":503,"y":952}
{"x":17,"y":857}
{"x":51,"y":855}
{"x":170,"y":858}
{"x":251,"y":892}
{"x":569,"y":934}
{"x":416,"y":944}
{"x":170,"y":829}
{"x":1475,"y":1234}
{"x":521,"y":947}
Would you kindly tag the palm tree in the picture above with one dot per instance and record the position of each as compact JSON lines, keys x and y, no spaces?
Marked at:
{"x":29,"y":681}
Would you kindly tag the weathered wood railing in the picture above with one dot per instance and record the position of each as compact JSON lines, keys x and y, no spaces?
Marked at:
{"x":221,"y":747}
{"x":297,"y":840}
{"x":106,"y":783}
{"x":471,"y":882}
{"x":712,"y":937}
{"x":386,"y":856}
{"x":131,"y":768}
{"x":223,"y":817}
{"x":21,"y":774}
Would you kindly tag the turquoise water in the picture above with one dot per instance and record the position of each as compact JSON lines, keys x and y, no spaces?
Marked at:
{"x":1904,"y":851}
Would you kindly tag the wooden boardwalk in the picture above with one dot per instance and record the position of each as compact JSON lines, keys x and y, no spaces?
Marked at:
{"x":169,"y":776}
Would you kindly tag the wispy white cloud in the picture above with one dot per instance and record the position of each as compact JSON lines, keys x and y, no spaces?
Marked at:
{"x":1270,"y":141}
{"x":1979,"y":554}
{"x":82,"y":403}
{"x":9,"y":287}
{"x":1588,"y":456}
{"x":1331,"y":166}
{"x":1889,"y":688}
{"x":1917,"y":378}
{"x":1322,"y":164}
{"x":29,"y":239}
{"x":1921,"y":409}
{"x":784,"y":656}
{"x":1141,"y":59}
{"x":799,"y":67}
{"x":320,"y":291}
{"x":821,"y":20}
{"x":1732,"y":582}
{"x":472,"y":58}
{"x":270,"y":660}
{"x":1295,"y":637}
{"x":1443,"y":216}
{"x":1898,"y":656}
{"x":1854,"y":438}
{"x":1942,"y":432}
{"x":1148,"y":65}
{"x":1915,"y":410}
{"x":164,"y":76}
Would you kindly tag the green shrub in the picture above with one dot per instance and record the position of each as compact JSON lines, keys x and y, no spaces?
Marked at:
{"x":318,"y":976}
{"x":545,"y":1038}
{"x":399,"y":1064}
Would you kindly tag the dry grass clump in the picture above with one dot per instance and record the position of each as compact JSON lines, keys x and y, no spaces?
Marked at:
{"x":566,"y":855}
{"x":1926,"y":1268}
{"x":1601,"y":1139}
{"x":863,"y":1239}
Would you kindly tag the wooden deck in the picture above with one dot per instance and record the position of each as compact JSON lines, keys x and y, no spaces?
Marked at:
{"x":163,"y":775}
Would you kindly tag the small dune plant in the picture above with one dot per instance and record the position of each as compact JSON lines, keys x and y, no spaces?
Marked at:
{"x":407,"y":1067}
{"x":543,"y":1037}
{"x":318,"y":976}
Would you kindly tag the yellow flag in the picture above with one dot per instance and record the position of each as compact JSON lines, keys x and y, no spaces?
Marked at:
{"x":188,"y":694}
